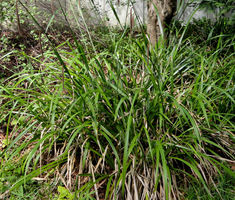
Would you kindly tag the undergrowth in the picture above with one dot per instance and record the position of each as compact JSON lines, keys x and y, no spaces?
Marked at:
{"x":103,"y":118}
{"x":224,"y":190}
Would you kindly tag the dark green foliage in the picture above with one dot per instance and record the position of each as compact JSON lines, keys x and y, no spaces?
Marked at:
{"x":225,"y":190}
{"x":101,"y":111}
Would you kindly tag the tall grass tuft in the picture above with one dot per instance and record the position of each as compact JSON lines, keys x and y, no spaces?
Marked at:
{"x":117,"y":123}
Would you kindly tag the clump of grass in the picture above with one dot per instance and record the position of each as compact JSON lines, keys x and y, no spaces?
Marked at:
{"x":225,"y":189}
{"x":122,"y":123}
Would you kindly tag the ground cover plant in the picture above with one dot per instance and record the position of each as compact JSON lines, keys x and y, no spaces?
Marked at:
{"x":100,"y":118}
{"x":225,"y":187}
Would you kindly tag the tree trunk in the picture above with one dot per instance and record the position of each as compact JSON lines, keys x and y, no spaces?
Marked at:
{"x":18,"y":19}
{"x":166,"y":10}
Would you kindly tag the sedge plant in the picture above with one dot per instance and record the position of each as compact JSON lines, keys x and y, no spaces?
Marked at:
{"x":124,"y":123}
